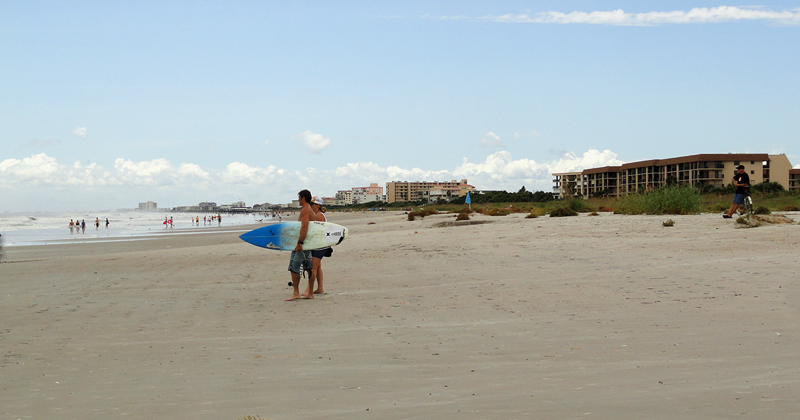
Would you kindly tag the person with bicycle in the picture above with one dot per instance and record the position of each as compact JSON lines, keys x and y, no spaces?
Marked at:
{"x":742,"y":182}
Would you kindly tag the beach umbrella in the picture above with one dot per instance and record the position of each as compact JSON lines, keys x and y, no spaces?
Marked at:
{"x":468,"y":201}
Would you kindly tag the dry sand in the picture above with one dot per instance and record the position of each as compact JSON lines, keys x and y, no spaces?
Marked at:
{"x":609,"y":317}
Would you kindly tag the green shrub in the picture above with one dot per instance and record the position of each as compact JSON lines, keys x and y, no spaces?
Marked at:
{"x":768,"y":187}
{"x":536,"y":212}
{"x":462,"y":216}
{"x":498,"y":212}
{"x":761,"y":210}
{"x":563,"y":212}
{"x":578,"y":205}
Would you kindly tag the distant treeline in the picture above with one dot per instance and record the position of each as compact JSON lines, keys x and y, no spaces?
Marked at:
{"x":521,"y":196}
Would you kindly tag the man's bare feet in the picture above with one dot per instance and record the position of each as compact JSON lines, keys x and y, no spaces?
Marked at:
{"x":319,"y":292}
{"x":294,"y":297}
{"x":306,"y":296}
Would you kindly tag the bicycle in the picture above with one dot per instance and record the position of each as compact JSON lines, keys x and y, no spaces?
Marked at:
{"x":746,"y":208}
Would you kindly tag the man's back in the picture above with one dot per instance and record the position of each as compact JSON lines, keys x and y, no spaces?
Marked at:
{"x":306,"y":214}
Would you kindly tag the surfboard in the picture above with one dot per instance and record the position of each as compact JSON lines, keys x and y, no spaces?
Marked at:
{"x":283,"y":236}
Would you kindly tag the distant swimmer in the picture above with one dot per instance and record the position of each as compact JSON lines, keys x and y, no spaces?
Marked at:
{"x":96,"y":223}
{"x":106,"y":222}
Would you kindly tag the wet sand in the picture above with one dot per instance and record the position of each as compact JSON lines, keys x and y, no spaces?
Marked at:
{"x":605,"y":317}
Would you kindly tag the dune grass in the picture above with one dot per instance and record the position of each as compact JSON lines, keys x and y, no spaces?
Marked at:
{"x":669,"y":200}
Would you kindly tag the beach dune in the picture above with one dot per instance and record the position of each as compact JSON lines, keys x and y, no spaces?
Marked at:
{"x":603,"y":317}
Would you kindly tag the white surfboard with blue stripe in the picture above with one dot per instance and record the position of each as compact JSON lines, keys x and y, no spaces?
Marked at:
{"x":283,"y":236}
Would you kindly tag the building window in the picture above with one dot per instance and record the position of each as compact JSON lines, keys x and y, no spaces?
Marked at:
{"x":736,"y":162}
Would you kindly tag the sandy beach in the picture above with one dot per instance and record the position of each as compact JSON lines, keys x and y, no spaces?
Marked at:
{"x":609,"y":317}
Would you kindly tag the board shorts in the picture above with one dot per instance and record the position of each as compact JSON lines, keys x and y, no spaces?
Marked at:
{"x":319,"y":253}
{"x":739,"y":198}
{"x":300,"y":261}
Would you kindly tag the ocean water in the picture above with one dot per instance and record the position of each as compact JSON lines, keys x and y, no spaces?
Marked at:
{"x":19,"y":229}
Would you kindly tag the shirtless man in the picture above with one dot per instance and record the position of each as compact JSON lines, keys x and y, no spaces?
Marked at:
{"x":300,"y":259}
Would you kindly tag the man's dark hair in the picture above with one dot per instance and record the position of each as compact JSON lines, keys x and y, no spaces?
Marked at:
{"x":306,"y":194}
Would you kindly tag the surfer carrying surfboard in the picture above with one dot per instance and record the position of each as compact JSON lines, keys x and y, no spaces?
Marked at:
{"x":301,"y":260}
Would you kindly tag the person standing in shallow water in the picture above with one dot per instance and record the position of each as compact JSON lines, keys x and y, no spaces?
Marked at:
{"x":96,"y":223}
{"x":71,"y":226}
{"x":106,"y":222}
{"x":83,"y":225}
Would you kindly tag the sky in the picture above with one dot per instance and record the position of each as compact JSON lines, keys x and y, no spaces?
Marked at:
{"x":107,"y":104}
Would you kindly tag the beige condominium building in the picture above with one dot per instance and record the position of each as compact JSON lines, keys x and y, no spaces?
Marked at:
{"x":705,"y":169}
{"x":794,"y":179}
{"x":399,"y":191}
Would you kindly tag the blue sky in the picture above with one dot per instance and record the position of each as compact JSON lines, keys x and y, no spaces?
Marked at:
{"x":106,"y":104}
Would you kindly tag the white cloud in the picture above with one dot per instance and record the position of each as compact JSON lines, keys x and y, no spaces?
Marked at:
{"x":593,"y":158}
{"x":797,"y":166}
{"x":314,"y":142}
{"x":621,"y":18}
{"x":80,"y":132}
{"x":266,"y":141}
{"x":26,"y":181}
{"x":35,"y":168}
{"x":190,"y":170}
{"x":492,"y":140}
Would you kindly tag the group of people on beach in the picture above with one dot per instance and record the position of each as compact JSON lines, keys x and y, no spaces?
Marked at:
{"x":80,"y":227}
{"x":303,"y":261}
{"x":169,"y":222}
{"x":206,"y":220}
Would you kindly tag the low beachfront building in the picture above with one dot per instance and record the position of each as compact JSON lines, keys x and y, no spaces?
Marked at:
{"x":148,"y":206}
{"x":344,"y":197}
{"x":715,"y":170}
{"x":408,"y":191}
